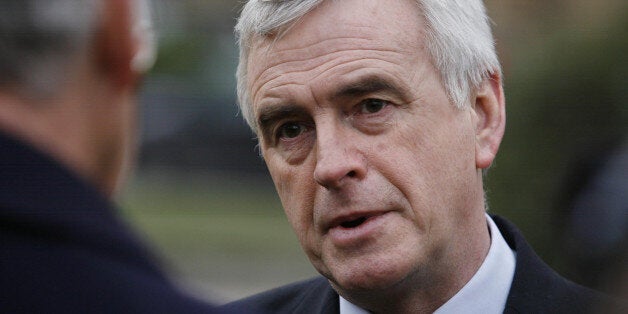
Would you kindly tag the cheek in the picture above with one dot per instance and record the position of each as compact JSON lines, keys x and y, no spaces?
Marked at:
{"x":428,"y":161}
{"x":439,"y":147}
{"x":296,"y":191}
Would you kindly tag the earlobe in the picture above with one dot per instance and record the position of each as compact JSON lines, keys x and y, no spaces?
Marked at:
{"x":490,"y":113}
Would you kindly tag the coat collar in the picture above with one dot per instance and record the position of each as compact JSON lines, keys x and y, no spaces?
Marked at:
{"x":40,"y":198}
{"x":536,"y":288}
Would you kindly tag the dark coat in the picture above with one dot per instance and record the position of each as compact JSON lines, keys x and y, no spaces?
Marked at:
{"x":536,"y":288}
{"x":63,"y":249}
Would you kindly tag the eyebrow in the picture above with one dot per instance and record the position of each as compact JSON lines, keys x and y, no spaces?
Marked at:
{"x":269,"y":114}
{"x":367,"y":85}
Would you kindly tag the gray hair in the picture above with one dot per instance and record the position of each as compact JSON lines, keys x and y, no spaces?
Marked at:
{"x":458,"y":35}
{"x":39,"y":39}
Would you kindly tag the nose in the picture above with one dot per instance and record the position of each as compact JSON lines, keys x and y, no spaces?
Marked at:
{"x":338,"y":159}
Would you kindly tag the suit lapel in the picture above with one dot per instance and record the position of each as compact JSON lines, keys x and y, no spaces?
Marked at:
{"x":536,"y":288}
{"x":320,"y":299}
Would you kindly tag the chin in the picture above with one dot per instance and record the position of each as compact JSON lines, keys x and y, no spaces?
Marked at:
{"x":370,"y":275}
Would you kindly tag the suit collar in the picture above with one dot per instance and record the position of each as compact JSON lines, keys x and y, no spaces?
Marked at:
{"x":536,"y":288}
{"x":320,"y":298}
{"x":32,"y":179}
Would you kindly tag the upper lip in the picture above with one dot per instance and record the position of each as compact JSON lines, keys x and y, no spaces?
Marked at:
{"x":337,"y":220}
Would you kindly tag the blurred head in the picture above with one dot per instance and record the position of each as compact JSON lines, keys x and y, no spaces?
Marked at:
{"x":376,"y":119}
{"x":41,"y":38}
{"x":69,"y":73}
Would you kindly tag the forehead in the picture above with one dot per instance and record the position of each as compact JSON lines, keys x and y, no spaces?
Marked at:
{"x":333,"y":30}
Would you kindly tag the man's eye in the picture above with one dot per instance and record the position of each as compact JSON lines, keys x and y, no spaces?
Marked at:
{"x":290,"y":130}
{"x":372,"y":105}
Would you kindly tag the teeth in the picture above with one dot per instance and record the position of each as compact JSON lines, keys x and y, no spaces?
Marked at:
{"x":353,"y":223}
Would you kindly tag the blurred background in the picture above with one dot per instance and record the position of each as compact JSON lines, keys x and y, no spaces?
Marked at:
{"x":202,"y":197}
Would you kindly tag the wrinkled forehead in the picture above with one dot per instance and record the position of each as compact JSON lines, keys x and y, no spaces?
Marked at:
{"x":336,"y":26}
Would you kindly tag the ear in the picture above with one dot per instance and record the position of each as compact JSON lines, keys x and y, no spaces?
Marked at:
{"x":115,"y":45}
{"x":490,"y":114}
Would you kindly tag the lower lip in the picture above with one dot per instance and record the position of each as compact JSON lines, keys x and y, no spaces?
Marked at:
{"x":350,"y":237}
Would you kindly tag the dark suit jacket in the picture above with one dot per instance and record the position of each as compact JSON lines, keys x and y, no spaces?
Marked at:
{"x":536,"y":288}
{"x":63,"y":249}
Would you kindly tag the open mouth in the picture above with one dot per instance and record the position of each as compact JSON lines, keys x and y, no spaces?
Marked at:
{"x":358,"y":228}
{"x":353,"y":223}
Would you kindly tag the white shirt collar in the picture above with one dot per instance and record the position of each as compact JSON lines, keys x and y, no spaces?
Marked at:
{"x":486,"y":292}
{"x":347,"y":307}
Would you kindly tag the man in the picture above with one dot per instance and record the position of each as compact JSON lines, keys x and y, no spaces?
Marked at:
{"x":376,"y":120}
{"x":69,"y":71}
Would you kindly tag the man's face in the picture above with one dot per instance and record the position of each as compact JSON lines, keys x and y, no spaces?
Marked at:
{"x":374,"y":166}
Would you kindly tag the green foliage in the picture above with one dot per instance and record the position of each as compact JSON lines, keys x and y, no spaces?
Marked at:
{"x":179,"y":56}
{"x":564,"y":97}
{"x":224,"y":237}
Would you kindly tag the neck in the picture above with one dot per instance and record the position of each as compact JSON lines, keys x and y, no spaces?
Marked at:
{"x":56,"y":127}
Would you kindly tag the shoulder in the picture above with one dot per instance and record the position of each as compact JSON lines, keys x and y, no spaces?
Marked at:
{"x":537,"y":288}
{"x":47,"y":272}
{"x":309,"y":296}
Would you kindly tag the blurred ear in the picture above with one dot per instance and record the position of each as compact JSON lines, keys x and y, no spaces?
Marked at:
{"x":490,"y":113}
{"x":115,"y":44}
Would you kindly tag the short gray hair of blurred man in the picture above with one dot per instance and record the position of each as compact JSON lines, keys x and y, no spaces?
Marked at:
{"x":69,"y":73}
{"x":376,"y":120}
{"x":70,"y":92}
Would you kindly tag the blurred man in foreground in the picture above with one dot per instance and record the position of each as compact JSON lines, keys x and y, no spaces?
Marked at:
{"x":68,"y":76}
{"x":376,"y":120}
